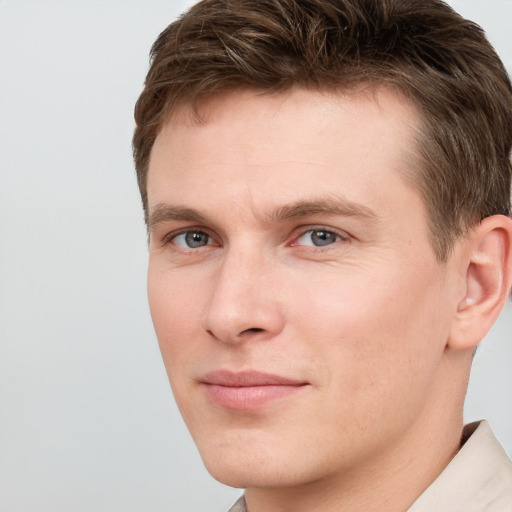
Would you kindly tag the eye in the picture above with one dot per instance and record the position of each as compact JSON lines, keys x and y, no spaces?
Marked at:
{"x":192,"y":240}
{"x":318,"y":238}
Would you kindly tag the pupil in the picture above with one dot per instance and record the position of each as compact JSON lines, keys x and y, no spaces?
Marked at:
{"x":323,"y":237}
{"x":195,"y":239}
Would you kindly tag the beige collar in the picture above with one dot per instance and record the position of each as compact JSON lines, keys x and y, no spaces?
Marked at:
{"x":478,"y":478}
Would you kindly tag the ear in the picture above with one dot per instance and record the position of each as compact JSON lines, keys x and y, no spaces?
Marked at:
{"x":487,"y":281}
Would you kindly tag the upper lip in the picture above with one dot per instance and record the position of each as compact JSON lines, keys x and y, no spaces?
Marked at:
{"x":247,"y":378}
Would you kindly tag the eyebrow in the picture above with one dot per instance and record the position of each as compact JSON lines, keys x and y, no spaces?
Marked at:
{"x":324,"y":206}
{"x":165,"y":212}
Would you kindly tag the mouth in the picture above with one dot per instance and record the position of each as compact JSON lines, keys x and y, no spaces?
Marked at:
{"x":248,"y":389}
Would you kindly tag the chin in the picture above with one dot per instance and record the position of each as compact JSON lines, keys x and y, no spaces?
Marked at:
{"x":245,"y":476}
{"x":257,"y":465}
{"x":239,"y":465}
{"x":236,"y":476}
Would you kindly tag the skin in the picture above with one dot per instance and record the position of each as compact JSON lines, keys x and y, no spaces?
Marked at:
{"x":364,"y":322}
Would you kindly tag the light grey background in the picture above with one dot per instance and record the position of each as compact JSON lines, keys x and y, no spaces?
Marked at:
{"x":87,"y":421}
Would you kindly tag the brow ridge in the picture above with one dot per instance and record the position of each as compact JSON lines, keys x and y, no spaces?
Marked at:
{"x":302,"y":208}
{"x":329,"y":206}
{"x":165,"y":212}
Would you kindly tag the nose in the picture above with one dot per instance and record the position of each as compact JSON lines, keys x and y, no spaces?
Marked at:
{"x":244,"y":304}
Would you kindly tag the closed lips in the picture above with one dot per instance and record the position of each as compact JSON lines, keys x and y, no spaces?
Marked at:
{"x":248,"y":378}
{"x":248,"y":390}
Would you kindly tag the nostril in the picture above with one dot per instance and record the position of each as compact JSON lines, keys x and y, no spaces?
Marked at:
{"x":252,"y":329}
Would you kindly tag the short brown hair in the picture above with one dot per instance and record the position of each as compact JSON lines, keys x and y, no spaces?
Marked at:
{"x":422,"y":48}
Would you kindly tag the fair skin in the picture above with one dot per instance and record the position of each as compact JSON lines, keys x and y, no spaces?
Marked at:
{"x":317,"y":349}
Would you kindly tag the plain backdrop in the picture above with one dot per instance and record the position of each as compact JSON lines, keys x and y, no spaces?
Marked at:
{"x":87,"y":419}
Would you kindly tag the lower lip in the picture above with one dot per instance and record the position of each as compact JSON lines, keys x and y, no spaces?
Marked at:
{"x":248,"y":397}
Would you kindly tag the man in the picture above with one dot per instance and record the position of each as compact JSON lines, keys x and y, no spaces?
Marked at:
{"x":326,"y":185}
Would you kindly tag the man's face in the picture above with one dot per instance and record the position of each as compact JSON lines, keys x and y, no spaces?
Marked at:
{"x":300,"y":310}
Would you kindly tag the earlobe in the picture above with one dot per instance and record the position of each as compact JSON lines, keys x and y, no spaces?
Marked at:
{"x":487,"y":279}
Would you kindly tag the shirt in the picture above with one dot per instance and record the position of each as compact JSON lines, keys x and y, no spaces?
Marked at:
{"x":477,"y":479}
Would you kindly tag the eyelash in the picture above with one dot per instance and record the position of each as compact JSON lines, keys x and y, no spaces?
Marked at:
{"x":168,"y":239}
{"x":340,"y":235}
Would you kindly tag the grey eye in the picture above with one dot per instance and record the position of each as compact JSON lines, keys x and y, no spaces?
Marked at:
{"x":323,"y":238}
{"x":192,"y":239}
{"x":318,"y":238}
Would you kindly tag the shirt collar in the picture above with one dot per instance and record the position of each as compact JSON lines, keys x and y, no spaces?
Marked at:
{"x":478,"y":478}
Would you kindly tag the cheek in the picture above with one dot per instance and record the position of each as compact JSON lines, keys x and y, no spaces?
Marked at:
{"x":375,"y":334}
{"x":175,"y":304}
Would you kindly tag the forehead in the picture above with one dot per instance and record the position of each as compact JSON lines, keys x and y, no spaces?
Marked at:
{"x":380,"y":104}
{"x":247,"y":142}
